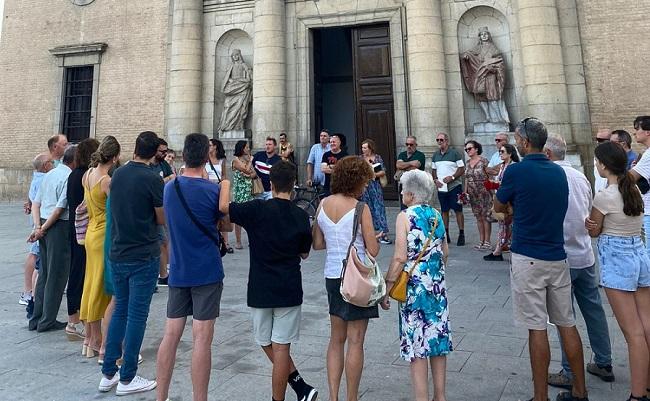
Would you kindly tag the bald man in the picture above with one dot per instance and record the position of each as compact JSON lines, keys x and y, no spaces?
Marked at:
{"x":42,"y":163}
{"x":57,"y":145}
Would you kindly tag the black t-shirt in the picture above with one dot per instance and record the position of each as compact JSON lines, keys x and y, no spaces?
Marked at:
{"x":163,"y":169}
{"x":331,"y":158}
{"x":135,"y":191}
{"x":263,"y":163}
{"x":278,"y":232}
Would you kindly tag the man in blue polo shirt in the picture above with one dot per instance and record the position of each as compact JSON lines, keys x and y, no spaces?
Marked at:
{"x":537,"y":190}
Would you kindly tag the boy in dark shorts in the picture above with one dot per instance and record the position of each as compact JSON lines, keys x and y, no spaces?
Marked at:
{"x":275,"y":281}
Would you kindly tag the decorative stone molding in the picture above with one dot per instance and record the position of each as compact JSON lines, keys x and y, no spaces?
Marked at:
{"x":80,"y":54}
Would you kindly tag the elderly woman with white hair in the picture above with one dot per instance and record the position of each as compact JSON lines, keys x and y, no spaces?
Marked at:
{"x":421,"y":249}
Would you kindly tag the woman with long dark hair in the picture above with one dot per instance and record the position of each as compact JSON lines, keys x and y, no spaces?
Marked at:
{"x":215,"y":167}
{"x":480,"y":198}
{"x":242,"y":180}
{"x":508,"y":154}
{"x":616,"y":218}
{"x":75,"y":195}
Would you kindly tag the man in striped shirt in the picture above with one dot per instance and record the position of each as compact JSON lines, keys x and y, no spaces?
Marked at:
{"x":262,"y":162}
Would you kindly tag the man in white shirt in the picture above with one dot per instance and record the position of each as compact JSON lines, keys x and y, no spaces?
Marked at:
{"x":500,"y":139}
{"x":584,"y":281}
{"x":642,"y":169}
{"x":602,"y":135}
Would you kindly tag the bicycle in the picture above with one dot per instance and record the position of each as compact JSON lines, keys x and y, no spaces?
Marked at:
{"x":308,"y":199}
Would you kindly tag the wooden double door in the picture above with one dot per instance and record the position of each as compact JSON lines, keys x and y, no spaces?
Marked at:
{"x":372,"y":91}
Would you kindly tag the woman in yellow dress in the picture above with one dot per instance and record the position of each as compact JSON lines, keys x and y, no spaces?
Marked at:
{"x":94,"y":301}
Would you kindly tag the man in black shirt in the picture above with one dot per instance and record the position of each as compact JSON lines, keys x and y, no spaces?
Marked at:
{"x":262,"y":162}
{"x":160,"y":166}
{"x":136,"y":213}
{"x":275,"y":281}
{"x":330,"y":158}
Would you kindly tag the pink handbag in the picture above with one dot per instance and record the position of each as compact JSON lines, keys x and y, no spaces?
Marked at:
{"x":362,"y":283}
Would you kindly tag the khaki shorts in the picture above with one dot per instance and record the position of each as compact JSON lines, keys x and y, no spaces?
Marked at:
{"x":278,"y":325}
{"x":541,"y":292}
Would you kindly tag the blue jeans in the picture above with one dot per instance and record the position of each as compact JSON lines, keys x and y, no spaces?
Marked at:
{"x":134,"y":285}
{"x":646,"y":228}
{"x":584,"y":289}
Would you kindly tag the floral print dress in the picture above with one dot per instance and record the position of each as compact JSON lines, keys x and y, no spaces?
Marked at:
{"x":479,"y":198}
{"x":374,"y":197}
{"x":424,"y":317}
{"x":242,"y":187}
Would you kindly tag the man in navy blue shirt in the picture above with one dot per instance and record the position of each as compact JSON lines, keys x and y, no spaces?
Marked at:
{"x":262,"y":162}
{"x":537,"y":190}
{"x":196,"y":271}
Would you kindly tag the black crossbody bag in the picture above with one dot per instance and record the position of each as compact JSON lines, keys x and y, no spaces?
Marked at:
{"x":218,"y":241}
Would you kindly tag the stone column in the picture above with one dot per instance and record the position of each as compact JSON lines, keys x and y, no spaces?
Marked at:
{"x":426,"y":69}
{"x":543,"y":66}
{"x":185,"y":68}
{"x":269,"y":71}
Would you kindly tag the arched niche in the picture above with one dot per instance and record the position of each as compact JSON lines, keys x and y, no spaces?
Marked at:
{"x":230,"y":40}
{"x":468,"y":27}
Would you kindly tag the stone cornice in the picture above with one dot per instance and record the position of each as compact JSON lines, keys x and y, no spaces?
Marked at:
{"x":220,"y":5}
{"x":81,"y":49}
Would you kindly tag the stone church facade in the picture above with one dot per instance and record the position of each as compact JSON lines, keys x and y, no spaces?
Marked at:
{"x":380,"y":69}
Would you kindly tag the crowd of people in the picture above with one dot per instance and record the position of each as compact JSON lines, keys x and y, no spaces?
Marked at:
{"x":111,"y":233}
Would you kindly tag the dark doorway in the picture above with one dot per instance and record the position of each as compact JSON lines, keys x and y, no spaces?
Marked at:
{"x":353,"y":89}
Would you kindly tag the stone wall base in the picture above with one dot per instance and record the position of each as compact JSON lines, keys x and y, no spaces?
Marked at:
{"x":14,"y":183}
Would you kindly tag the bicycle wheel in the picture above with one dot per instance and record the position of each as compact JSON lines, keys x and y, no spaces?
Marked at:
{"x":307,"y":206}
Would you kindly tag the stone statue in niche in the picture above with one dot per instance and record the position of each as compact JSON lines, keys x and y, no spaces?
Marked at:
{"x":237,"y":90}
{"x":484,"y":74}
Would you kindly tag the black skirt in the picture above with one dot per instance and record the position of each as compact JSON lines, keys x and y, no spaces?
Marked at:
{"x":346,"y":311}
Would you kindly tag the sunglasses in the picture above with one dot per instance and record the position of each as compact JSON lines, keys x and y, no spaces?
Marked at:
{"x":499,"y":140}
{"x":601,"y":140}
{"x":468,"y":149}
{"x":502,"y":151}
{"x":440,"y":140}
{"x":409,"y":144}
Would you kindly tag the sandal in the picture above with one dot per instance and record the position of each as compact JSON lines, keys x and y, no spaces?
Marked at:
{"x":486,"y":246}
{"x":230,"y":250}
{"x":239,"y":246}
{"x":478,"y":246}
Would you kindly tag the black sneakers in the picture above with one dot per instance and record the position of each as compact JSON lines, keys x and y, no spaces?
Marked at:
{"x":309,"y":394}
{"x":461,"y":239}
{"x":162,"y":281}
{"x":490,"y":257}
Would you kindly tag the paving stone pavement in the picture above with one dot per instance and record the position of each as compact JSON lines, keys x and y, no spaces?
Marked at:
{"x":490,"y":362}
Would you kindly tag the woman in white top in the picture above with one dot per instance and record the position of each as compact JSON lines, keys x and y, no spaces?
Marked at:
{"x":333,"y":231}
{"x":616,"y":218}
{"x":216,"y":170}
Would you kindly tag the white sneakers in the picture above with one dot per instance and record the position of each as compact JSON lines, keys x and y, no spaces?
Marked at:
{"x":106,"y":384}
{"x":137,"y":385}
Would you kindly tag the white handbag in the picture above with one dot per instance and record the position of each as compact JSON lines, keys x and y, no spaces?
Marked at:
{"x":362,"y":283}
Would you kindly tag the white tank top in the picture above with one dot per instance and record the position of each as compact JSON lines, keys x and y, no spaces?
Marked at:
{"x":211,"y":175}
{"x":337,"y":239}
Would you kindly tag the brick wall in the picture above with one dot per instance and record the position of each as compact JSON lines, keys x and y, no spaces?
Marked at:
{"x":132,"y":72}
{"x":615,"y":48}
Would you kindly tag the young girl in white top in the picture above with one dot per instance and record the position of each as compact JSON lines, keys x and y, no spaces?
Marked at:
{"x":216,"y":170}
{"x":333,"y":231}
{"x":616,"y":218}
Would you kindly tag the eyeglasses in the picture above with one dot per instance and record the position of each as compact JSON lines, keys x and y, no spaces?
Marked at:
{"x":524,"y":125}
{"x":440,"y":140}
{"x":468,"y":149}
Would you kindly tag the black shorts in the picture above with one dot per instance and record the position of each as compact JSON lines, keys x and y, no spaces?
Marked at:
{"x":449,"y":200}
{"x":201,"y":302}
{"x":344,"y":310}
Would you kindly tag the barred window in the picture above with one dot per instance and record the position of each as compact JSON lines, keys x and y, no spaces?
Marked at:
{"x":77,"y":102}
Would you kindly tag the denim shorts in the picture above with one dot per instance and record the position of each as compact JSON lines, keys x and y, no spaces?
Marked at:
{"x":624,"y":263}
